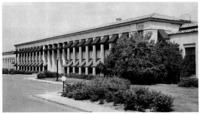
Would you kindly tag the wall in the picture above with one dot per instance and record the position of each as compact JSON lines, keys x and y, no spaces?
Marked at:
{"x":191,"y":40}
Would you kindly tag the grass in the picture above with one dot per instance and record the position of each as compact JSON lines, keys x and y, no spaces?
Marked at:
{"x":186,"y":99}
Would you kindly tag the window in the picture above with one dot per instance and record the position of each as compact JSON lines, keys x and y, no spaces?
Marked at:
{"x":83,"y":53}
{"x":71,"y":54}
{"x":77,"y":53}
{"x":98,"y":51}
{"x":90,"y":52}
{"x":190,"y":53}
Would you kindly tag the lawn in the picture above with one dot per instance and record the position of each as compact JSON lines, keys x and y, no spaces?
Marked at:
{"x":186,"y":99}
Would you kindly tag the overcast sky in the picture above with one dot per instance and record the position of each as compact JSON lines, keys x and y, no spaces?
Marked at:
{"x":24,"y":22}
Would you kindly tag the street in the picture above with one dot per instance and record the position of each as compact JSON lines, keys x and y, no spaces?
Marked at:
{"x":18,"y":95}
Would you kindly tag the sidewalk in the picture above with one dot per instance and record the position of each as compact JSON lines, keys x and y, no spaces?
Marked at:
{"x":79,"y":105}
{"x":52,"y":80}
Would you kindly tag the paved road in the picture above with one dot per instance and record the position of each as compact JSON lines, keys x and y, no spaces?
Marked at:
{"x":17,"y":95}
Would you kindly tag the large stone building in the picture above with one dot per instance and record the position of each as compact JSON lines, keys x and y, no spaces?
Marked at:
{"x":9,"y":60}
{"x":81,"y":51}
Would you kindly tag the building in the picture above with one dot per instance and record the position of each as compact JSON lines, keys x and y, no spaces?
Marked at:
{"x":81,"y":51}
{"x":187,"y":37}
{"x":9,"y":60}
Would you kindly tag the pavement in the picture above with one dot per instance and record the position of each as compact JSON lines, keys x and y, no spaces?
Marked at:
{"x":79,"y":105}
{"x":18,"y":94}
{"x":55,"y":97}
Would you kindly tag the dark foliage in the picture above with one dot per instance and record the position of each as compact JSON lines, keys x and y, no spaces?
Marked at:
{"x":47,"y":74}
{"x":5,"y":71}
{"x":188,"y":66}
{"x":13,"y":71}
{"x":82,"y":76}
{"x":141,"y":99}
{"x":142,"y":62}
{"x":188,"y":82}
{"x":118,"y":90}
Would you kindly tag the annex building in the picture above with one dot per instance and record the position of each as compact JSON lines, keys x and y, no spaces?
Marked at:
{"x":81,"y":51}
{"x":9,"y":60}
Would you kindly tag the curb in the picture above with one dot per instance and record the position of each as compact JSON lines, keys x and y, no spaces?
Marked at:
{"x":44,"y":81}
{"x":83,"y":110}
{"x":75,"y":104}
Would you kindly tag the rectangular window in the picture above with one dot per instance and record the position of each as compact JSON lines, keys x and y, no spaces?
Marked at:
{"x":98,"y":48}
{"x":83,"y":53}
{"x":77,"y":54}
{"x":90,"y":52}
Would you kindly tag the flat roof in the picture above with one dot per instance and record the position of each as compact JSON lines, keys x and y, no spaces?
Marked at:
{"x":144,"y":18}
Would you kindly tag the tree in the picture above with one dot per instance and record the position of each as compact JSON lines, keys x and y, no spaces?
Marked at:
{"x":142,"y":61}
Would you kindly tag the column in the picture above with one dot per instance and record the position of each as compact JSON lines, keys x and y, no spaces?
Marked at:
{"x":30,"y":61}
{"x":102,"y":53}
{"x":27,"y":61}
{"x":63,"y":58}
{"x":36,"y":60}
{"x":74,"y":58}
{"x":53,"y":68}
{"x":16,"y":60}
{"x":86,"y":58}
{"x":44,"y":57}
{"x":48,"y":60}
{"x":94,"y":59}
{"x":59,"y":54}
{"x":33,"y":61}
{"x":68,"y":58}
{"x":80,"y":59}
{"x":40,"y":60}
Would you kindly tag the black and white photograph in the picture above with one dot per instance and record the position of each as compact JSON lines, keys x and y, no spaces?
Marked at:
{"x":100,"y":56}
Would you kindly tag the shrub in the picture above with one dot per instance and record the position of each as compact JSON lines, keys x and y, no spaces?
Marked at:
{"x":5,"y":71}
{"x":188,"y":67}
{"x":41,"y":75}
{"x":47,"y":74}
{"x":188,"y":82}
{"x":69,"y":88}
{"x":143,"y":62}
{"x":141,"y":99}
{"x":118,"y":90}
{"x":13,"y":71}
{"x":82,"y":76}
{"x":80,"y":94}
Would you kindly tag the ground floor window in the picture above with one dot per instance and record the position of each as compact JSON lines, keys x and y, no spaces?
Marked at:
{"x":83,"y":70}
{"x":90,"y":70}
{"x":76,"y":69}
{"x":70,"y":70}
{"x":190,"y":59}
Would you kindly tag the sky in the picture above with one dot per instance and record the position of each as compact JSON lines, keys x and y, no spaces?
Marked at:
{"x":23,"y":22}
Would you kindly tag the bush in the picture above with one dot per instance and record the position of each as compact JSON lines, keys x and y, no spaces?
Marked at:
{"x":82,"y":76}
{"x":118,"y":90}
{"x":47,"y":74}
{"x":188,"y":67}
{"x":141,"y":99}
{"x":5,"y":71}
{"x":69,"y":88}
{"x":41,"y":75}
{"x":80,"y":94}
{"x":143,"y":62}
{"x":188,"y":82}
{"x":13,"y":71}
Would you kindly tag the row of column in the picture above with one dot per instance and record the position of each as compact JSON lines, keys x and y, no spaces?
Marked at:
{"x":65,"y":59}
{"x":8,"y":63}
{"x":29,"y":58}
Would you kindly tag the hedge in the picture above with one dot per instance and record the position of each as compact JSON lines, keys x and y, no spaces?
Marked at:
{"x":118,"y":91}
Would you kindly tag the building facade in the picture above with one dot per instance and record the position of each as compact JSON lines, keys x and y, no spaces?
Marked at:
{"x":81,"y":51}
{"x":9,"y":60}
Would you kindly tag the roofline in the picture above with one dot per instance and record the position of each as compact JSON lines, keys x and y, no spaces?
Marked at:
{"x":8,"y":52}
{"x":107,"y":27}
{"x":182,"y":33}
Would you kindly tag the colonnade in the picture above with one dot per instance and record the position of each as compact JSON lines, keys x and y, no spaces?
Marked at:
{"x":78,"y":56}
